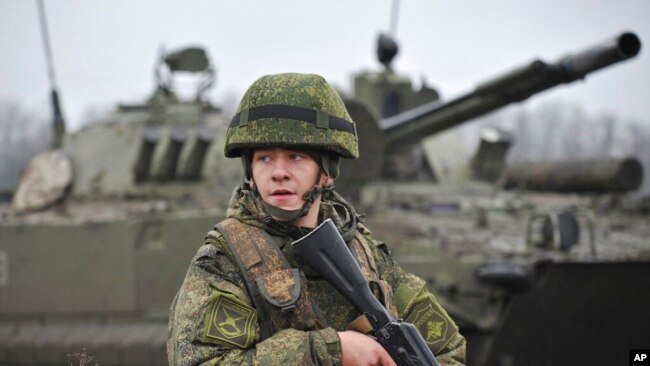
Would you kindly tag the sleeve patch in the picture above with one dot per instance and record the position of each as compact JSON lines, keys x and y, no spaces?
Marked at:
{"x":230,"y":323}
{"x":434,"y":325}
{"x":404,"y":296}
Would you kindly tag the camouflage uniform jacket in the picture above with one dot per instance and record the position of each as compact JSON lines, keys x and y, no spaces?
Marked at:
{"x":213,"y":319}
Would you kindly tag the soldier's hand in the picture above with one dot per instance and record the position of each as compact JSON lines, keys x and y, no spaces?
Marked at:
{"x":360,"y":349}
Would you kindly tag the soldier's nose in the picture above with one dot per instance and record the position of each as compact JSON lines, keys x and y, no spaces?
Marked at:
{"x":279,"y":173}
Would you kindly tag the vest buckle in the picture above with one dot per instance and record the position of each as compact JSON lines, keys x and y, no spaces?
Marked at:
{"x":289,"y":308}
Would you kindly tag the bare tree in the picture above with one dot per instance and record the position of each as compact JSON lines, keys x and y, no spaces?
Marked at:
{"x":23,"y":134}
{"x":522,"y":142}
{"x":609,"y":132}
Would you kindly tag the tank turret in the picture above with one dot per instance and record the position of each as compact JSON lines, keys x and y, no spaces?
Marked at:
{"x":396,"y":118}
{"x":167,"y":147}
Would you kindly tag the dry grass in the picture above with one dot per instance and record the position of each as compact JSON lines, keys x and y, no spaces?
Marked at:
{"x":81,"y":359}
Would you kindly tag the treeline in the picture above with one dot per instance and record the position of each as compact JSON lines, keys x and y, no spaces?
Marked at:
{"x":23,"y":134}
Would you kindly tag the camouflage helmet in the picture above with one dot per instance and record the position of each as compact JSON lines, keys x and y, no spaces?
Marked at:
{"x":299,"y":111}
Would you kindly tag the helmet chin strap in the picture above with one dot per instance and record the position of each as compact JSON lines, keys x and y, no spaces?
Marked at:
{"x":290,"y":215}
{"x":309,"y":197}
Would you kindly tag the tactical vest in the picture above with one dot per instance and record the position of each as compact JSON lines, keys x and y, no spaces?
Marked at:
{"x":278,"y":291}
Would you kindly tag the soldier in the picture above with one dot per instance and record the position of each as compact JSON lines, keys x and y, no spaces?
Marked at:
{"x":246,"y":299}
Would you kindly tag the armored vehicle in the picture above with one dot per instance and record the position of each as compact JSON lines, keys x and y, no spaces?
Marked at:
{"x":101,"y":231}
{"x":531,"y":278}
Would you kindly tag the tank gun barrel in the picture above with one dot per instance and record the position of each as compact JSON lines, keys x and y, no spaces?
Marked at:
{"x":514,"y":86}
{"x":594,"y":176}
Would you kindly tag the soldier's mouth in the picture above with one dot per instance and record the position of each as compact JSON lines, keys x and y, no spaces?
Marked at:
{"x":282,"y":193}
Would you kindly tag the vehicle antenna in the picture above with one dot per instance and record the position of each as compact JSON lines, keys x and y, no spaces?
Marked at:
{"x":394,"y":16}
{"x":58,"y":122}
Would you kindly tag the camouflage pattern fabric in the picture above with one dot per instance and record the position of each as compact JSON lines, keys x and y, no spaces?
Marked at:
{"x":271,"y":278}
{"x":210,"y":316}
{"x":308,"y":91}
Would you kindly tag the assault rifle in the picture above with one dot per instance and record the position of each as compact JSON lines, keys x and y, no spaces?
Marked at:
{"x":326,"y":252}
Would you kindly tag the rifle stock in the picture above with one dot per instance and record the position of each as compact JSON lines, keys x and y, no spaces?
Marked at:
{"x":326,"y":252}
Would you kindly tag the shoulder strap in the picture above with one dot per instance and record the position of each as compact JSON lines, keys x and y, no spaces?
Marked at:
{"x":361,"y":250}
{"x":246,"y":256}
{"x":279,"y":291}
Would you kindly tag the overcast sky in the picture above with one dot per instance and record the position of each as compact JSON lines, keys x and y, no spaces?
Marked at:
{"x":104,"y":51}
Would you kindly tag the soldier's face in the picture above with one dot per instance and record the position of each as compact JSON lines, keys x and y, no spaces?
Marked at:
{"x":282,"y":177}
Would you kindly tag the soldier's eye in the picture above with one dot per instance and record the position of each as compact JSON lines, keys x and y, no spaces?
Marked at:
{"x":296,"y":157}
